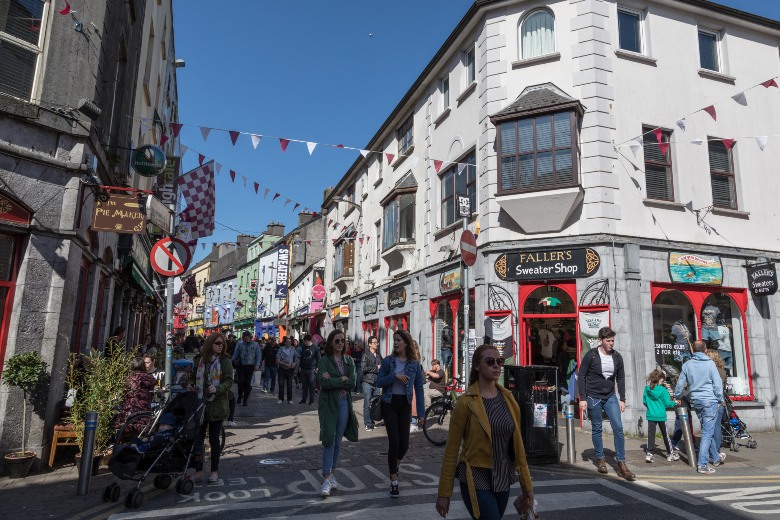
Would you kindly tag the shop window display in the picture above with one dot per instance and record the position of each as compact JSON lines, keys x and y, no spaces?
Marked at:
{"x":674,"y":328}
{"x":443,"y":328}
{"x":548,"y":300}
{"x":721,"y":328}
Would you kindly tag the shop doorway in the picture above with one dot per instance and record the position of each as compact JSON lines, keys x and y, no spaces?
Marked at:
{"x":548,"y":334}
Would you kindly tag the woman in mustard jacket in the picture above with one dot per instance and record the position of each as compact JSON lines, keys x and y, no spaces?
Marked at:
{"x":486,"y":422}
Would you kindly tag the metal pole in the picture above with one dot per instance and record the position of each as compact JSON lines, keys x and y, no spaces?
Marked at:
{"x":682,"y":416}
{"x":169,"y":332}
{"x":571,"y":450}
{"x":466,"y":294}
{"x":87,"y":450}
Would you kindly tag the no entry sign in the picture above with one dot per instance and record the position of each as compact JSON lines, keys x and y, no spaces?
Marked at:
{"x":170,"y":256}
{"x":468,"y":248}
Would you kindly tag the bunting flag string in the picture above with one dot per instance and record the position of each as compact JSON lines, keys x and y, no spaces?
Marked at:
{"x":234,"y":136}
{"x":255,"y":140}
{"x":711,"y":111}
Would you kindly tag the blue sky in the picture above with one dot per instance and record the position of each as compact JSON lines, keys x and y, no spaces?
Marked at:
{"x":327,"y":72}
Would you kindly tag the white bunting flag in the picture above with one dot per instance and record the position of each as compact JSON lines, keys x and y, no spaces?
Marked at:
{"x":740,"y":98}
{"x":255,"y":140}
{"x":635,"y":145}
{"x":681,"y":124}
{"x":144,"y":130}
{"x":244,"y":179}
{"x":287,"y":202}
{"x":698,"y":141}
{"x":219,"y":167}
{"x":415,"y":160}
{"x":364,"y":153}
{"x":761,"y":141}
{"x":461,"y":167}
{"x":183,"y":149}
{"x":204,"y":131}
{"x":266,"y":191}
{"x":311,"y":146}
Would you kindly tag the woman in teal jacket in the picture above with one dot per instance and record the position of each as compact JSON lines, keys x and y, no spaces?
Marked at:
{"x":657,"y":400}
{"x":336,"y":375}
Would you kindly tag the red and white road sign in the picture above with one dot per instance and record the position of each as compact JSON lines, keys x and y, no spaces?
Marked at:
{"x":468,"y":248}
{"x":170,"y":256}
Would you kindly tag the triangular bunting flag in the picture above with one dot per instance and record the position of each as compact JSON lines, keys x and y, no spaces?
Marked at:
{"x":144,"y":129}
{"x":636,"y":183}
{"x":461,"y":167}
{"x":283,"y":143}
{"x":681,"y":124}
{"x":311,"y":147}
{"x":437,"y":165}
{"x":287,"y":202}
{"x":711,"y":111}
{"x":740,"y":98}
{"x":176,"y":128}
{"x":368,"y":238}
{"x":635,"y":145}
{"x":659,"y":135}
{"x":163,"y":139}
{"x":296,"y":206}
{"x":364,"y":153}
{"x":728,"y":143}
{"x":66,"y":9}
{"x":308,"y":242}
{"x":330,"y":221}
{"x":415,"y":160}
{"x":770,"y":83}
{"x":266,"y":191}
{"x":339,"y":146}
{"x":218,"y":166}
{"x":255,"y":140}
{"x":360,"y":240}
{"x":204,"y":131}
{"x":244,"y":179}
{"x":233,"y":136}
{"x":232,"y":176}
{"x":390,"y":157}
{"x":761,"y":141}
{"x":203,"y":245}
{"x":314,"y":214}
{"x":276,"y":196}
{"x":183,"y":149}
{"x":201,"y":158}
{"x":257,"y":187}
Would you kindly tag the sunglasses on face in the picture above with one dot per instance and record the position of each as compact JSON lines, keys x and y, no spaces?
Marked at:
{"x":218,"y":343}
{"x":491,"y":361}
{"x":338,"y":341}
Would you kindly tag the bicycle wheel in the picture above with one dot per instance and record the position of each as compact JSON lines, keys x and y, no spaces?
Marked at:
{"x":135,"y":426}
{"x":437,"y":423}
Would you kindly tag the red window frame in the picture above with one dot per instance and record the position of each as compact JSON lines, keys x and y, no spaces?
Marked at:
{"x":393,"y":323}
{"x":82,"y":297}
{"x":10,"y":284}
{"x":570,"y":288}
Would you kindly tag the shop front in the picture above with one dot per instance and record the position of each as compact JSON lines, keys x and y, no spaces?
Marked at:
{"x":370,"y":324}
{"x":398,"y":315}
{"x":267,"y":328}
{"x":339,"y":315}
{"x":447,"y":317}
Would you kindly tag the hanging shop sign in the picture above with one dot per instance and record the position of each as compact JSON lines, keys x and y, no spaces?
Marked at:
{"x":590,"y":323}
{"x":148,"y":161}
{"x":695,"y":268}
{"x":370,"y":305}
{"x":449,"y":281}
{"x":282,"y":268}
{"x":166,"y":181}
{"x":396,"y":298}
{"x":199,"y":309}
{"x":158,"y":213}
{"x":762,"y":279}
{"x":339,"y":313}
{"x":548,"y":264}
{"x":119,"y":214}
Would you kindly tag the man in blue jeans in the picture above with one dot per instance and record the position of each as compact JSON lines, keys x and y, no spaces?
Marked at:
{"x":601,"y":369}
{"x":705,"y":391}
{"x":371,"y":362}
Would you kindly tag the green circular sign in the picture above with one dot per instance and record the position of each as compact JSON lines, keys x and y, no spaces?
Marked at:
{"x":252,"y":294}
{"x":149,"y":160}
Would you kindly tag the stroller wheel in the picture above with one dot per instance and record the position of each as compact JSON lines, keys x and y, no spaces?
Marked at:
{"x":165,"y":481}
{"x":115,"y":492}
{"x":752,"y":444}
{"x":108,"y":493}
{"x":138,"y":499}
{"x":184,"y":486}
{"x":734,"y":446}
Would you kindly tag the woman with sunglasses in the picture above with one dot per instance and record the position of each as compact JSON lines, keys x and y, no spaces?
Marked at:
{"x":336,"y":375}
{"x":400,"y":378}
{"x":213,"y":381}
{"x":486,"y":422}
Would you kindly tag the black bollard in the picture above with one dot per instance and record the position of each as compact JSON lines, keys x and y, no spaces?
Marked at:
{"x":87,"y":450}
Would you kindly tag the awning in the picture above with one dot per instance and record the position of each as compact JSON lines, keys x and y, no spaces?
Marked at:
{"x":139,"y":278}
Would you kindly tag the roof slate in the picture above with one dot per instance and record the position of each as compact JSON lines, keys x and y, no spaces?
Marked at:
{"x":537,"y":97}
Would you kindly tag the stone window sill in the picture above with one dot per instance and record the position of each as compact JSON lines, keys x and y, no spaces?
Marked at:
{"x":458,"y":224}
{"x":378,"y":181}
{"x":400,"y":158}
{"x":466,"y":92}
{"x":528,"y":62}
{"x":442,"y":116}
{"x":635,"y":56}
{"x":375,"y":267}
{"x":717,"y":76}
{"x":664,"y":204}
{"x":726,"y":212}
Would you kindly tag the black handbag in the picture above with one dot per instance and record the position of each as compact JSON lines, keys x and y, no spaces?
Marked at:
{"x":375,"y":407}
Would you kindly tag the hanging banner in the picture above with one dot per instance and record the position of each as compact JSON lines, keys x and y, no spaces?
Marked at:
{"x":590,"y":322}
{"x":695,"y":268}
{"x":282,"y":268}
{"x":762,"y":279}
{"x":499,"y":330}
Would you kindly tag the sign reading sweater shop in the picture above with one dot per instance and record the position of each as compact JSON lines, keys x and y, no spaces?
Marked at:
{"x":282,"y":267}
{"x":370,"y":305}
{"x":762,"y":279}
{"x":553,"y":264}
{"x":396,"y":298}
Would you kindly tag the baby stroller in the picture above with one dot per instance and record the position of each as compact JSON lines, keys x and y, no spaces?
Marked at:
{"x":168,"y":459}
{"x":734,"y":430}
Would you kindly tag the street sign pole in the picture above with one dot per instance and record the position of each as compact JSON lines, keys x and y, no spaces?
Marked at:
{"x":466,"y":309}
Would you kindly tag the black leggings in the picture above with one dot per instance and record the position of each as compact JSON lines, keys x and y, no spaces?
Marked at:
{"x":398,"y":420}
{"x":651,"y":435}
{"x":244,"y":375}
{"x":285,"y":381}
{"x":215,"y":440}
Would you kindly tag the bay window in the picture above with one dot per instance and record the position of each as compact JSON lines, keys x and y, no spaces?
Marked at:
{"x":458,"y":181}
{"x":398,"y":220}
{"x":344,"y":259}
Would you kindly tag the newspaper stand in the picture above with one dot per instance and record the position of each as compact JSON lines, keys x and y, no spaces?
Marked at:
{"x":535,"y":388}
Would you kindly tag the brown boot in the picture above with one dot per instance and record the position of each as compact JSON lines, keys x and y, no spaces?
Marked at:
{"x":601,"y":465}
{"x":624,"y":472}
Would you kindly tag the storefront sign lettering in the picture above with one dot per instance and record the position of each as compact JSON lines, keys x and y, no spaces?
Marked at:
{"x":149,"y":160}
{"x":282,"y":266}
{"x":552,"y":264}
{"x":695,"y":268}
{"x":120,"y":214}
{"x":370,"y":305}
{"x":762,"y":279}
{"x":396,"y":298}
{"x":450,"y":281}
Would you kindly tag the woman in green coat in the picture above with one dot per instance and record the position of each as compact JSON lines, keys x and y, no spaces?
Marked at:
{"x":336,"y":375}
{"x":213,"y":380}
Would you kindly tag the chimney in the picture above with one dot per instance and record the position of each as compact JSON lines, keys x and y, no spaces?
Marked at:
{"x":304,"y":217}
{"x":275,"y":229}
{"x":244,"y":240}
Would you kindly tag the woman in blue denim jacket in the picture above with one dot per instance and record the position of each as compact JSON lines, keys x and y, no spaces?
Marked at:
{"x":400,"y":372}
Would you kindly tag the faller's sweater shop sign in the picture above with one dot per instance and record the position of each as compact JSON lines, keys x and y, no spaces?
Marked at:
{"x":553,"y":264}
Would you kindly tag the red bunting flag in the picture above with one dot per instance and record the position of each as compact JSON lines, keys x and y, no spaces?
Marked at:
{"x":163,"y":139}
{"x":368,"y":238}
{"x":201,"y":158}
{"x":66,"y":9}
{"x":330,"y":221}
{"x":334,"y":240}
{"x":343,"y":229}
{"x":390,"y":157}
{"x":296,"y":206}
{"x":728,"y":143}
{"x":283,"y":143}
{"x":176,"y":128}
{"x":233,"y":136}
{"x":437,"y":165}
{"x":339,"y":146}
{"x":711,"y":111}
{"x":232,"y":176}
{"x":276,"y":196}
{"x":308,"y":242}
{"x":257,"y":187}
{"x":360,"y":240}
{"x":659,"y":135}
{"x":770,"y":83}
{"x":314,"y":214}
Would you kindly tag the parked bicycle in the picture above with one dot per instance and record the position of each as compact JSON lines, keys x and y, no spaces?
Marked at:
{"x":437,"y":416}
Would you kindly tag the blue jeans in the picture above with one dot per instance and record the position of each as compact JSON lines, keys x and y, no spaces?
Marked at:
{"x":612,"y":407}
{"x":330,"y":454}
{"x":491,"y":505}
{"x":358,"y":377}
{"x":708,"y":415}
{"x":269,"y":376}
{"x":369,"y":391}
{"x":727,"y":357}
{"x":717,"y":436}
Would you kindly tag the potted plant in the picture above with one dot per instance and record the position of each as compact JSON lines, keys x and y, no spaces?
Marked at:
{"x":99,"y":384}
{"x":24,"y":371}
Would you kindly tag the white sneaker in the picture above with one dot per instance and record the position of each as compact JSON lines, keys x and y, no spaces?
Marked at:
{"x":289,"y":402}
{"x":414,"y":428}
{"x":231,"y":423}
{"x":325,"y":489}
{"x":673,"y":457}
{"x":279,"y":401}
{"x":649,"y":457}
{"x":333,"y":483}
{"x":722,"y":456}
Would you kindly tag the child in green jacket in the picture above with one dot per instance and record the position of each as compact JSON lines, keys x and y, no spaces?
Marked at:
{"x":657,"y":400}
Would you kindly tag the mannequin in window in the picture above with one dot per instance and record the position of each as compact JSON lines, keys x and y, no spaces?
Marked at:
{"x":682,"y":341}
{"x":724,"y":347}
{"x":709,"y":323}
{"x":446,"y":348}
{"x":547,"y":339}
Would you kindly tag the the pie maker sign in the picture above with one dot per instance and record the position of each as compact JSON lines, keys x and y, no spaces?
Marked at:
{"x":554,"y":264}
